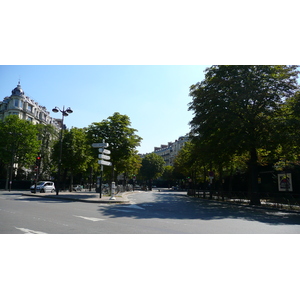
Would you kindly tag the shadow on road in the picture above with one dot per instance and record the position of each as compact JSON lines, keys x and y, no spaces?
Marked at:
{"x":174,"y":205}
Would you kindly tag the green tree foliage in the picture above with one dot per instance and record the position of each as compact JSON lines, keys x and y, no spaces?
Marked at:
{"x":47,"y":136}
{"x":18,"y":142}
{"x":122,"y":139}
{"x":168,"y":175}
{"x":288,"y":152}
{"x":234,"y":112}
{"x":131,"y":166}
{"x":76,"y":155}
{"x":152,"y":167}
{"x":186,"y":160}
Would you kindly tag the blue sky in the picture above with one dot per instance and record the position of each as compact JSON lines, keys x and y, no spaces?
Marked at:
{"x":154,"y":97}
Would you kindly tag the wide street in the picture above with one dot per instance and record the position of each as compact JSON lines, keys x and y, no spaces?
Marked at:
{"x":148,"y":212}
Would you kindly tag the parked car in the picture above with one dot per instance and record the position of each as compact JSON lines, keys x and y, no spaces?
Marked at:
{"x":77,"y":188}
{"x":43,"y":187}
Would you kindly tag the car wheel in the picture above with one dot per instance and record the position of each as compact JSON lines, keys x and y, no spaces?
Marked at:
{"x":52,"y":191}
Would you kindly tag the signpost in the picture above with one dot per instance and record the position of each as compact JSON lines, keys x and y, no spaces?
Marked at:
{"x":98,"y":145}
{"x":105,"y":151}
{"x":102,"y":156}
{"x":104,"y":163}
{"x":102,"y":160}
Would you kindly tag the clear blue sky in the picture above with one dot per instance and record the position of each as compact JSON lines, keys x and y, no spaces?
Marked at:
{"x":154,"y":97}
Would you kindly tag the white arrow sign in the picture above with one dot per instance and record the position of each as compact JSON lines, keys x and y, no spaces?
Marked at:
{"x":98,"y":145}
{"x":104,"y":162}
{"x":105,"y":151}
{"x":102,"y":156}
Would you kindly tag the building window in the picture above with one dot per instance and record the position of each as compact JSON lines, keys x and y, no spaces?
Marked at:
{"x":16,"y":102}
{"x":29,"y":119}
{"x":30,"y":108}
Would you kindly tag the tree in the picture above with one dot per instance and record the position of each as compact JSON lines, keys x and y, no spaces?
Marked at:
{"x":48,"y":136}
{"x":122,"y":139}
{"x":234,"y":112}
{"x":18,"y":143}
{"x":152,"y":167}
{"x":131,"y":166}
{"x":168,"y":175}
{"x":288,"y":153}
{"x":76,"y":154}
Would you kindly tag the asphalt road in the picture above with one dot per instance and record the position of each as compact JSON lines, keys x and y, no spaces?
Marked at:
{"x":155,"y":212}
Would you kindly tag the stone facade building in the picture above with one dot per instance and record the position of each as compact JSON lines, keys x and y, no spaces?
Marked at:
{"x":25,"y":108}
{"x":170,"y":151}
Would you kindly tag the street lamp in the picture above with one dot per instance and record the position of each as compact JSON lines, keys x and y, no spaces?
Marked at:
{"x":64,"y":113}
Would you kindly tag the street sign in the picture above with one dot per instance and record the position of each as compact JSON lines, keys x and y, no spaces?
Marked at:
{"x":104,"y":162}
{"x":98,"y":145}
{"x":105,"y":151}
{"x":102,"y":156}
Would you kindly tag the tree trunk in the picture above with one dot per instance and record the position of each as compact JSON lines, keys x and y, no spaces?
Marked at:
{"x":71,"y":182}
{"x":253,"y":166}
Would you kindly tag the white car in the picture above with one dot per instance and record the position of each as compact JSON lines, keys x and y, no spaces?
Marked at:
{"x":43,"y":187}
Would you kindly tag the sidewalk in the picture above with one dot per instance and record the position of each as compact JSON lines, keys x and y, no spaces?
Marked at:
{"x":89,"y":197}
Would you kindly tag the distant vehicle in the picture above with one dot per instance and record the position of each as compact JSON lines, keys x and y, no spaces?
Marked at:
{"x":77,"y":188}
{"x":43,"y":187}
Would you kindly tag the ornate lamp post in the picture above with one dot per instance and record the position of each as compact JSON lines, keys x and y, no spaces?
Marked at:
{"x":65,"y":113}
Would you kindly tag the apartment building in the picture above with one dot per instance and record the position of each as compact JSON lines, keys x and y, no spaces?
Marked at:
{"x":169,"y":151}
{"x":25,"y":108}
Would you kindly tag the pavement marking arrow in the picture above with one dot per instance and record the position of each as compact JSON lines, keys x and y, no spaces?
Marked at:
{"x":29,"y":231}
{"x":90,"y":219}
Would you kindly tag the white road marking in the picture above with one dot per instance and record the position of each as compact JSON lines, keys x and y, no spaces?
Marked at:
{"x":90,"y":219}
{"x":29,"y":231}
{"x":130,"y":206}
{"x":125,"y":210}
{"x":136,"y":206}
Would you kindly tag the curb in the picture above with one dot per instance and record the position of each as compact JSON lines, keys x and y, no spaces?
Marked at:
{"x":74,"y":199}
{"x":249,"y":206}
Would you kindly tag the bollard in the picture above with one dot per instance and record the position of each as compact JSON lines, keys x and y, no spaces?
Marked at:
{"x":113,"y":187}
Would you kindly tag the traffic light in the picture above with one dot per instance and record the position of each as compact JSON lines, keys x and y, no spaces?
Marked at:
{"x":38,"y":161}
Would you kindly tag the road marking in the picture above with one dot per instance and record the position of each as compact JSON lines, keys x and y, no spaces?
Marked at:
{"x":125,"y":210}
{"x":29,"y":231}
{"x":130,"y":206}
{"x":136,"y":206}
{"x":90,"y":219}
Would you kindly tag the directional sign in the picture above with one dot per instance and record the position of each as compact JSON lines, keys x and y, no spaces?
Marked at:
{"x":104,"y":162}
{"x":102,"y":156}
{"x":98,"y":145}
{"x":105,"y":151}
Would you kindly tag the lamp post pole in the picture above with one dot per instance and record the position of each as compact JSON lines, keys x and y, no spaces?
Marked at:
{"x":65,"y":113}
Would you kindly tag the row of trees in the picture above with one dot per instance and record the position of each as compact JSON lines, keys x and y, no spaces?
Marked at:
{"x":244,"y":117}
{"x":21,"y":142}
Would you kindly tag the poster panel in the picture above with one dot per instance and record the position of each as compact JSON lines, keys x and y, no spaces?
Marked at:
{"x":285,"y":182}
